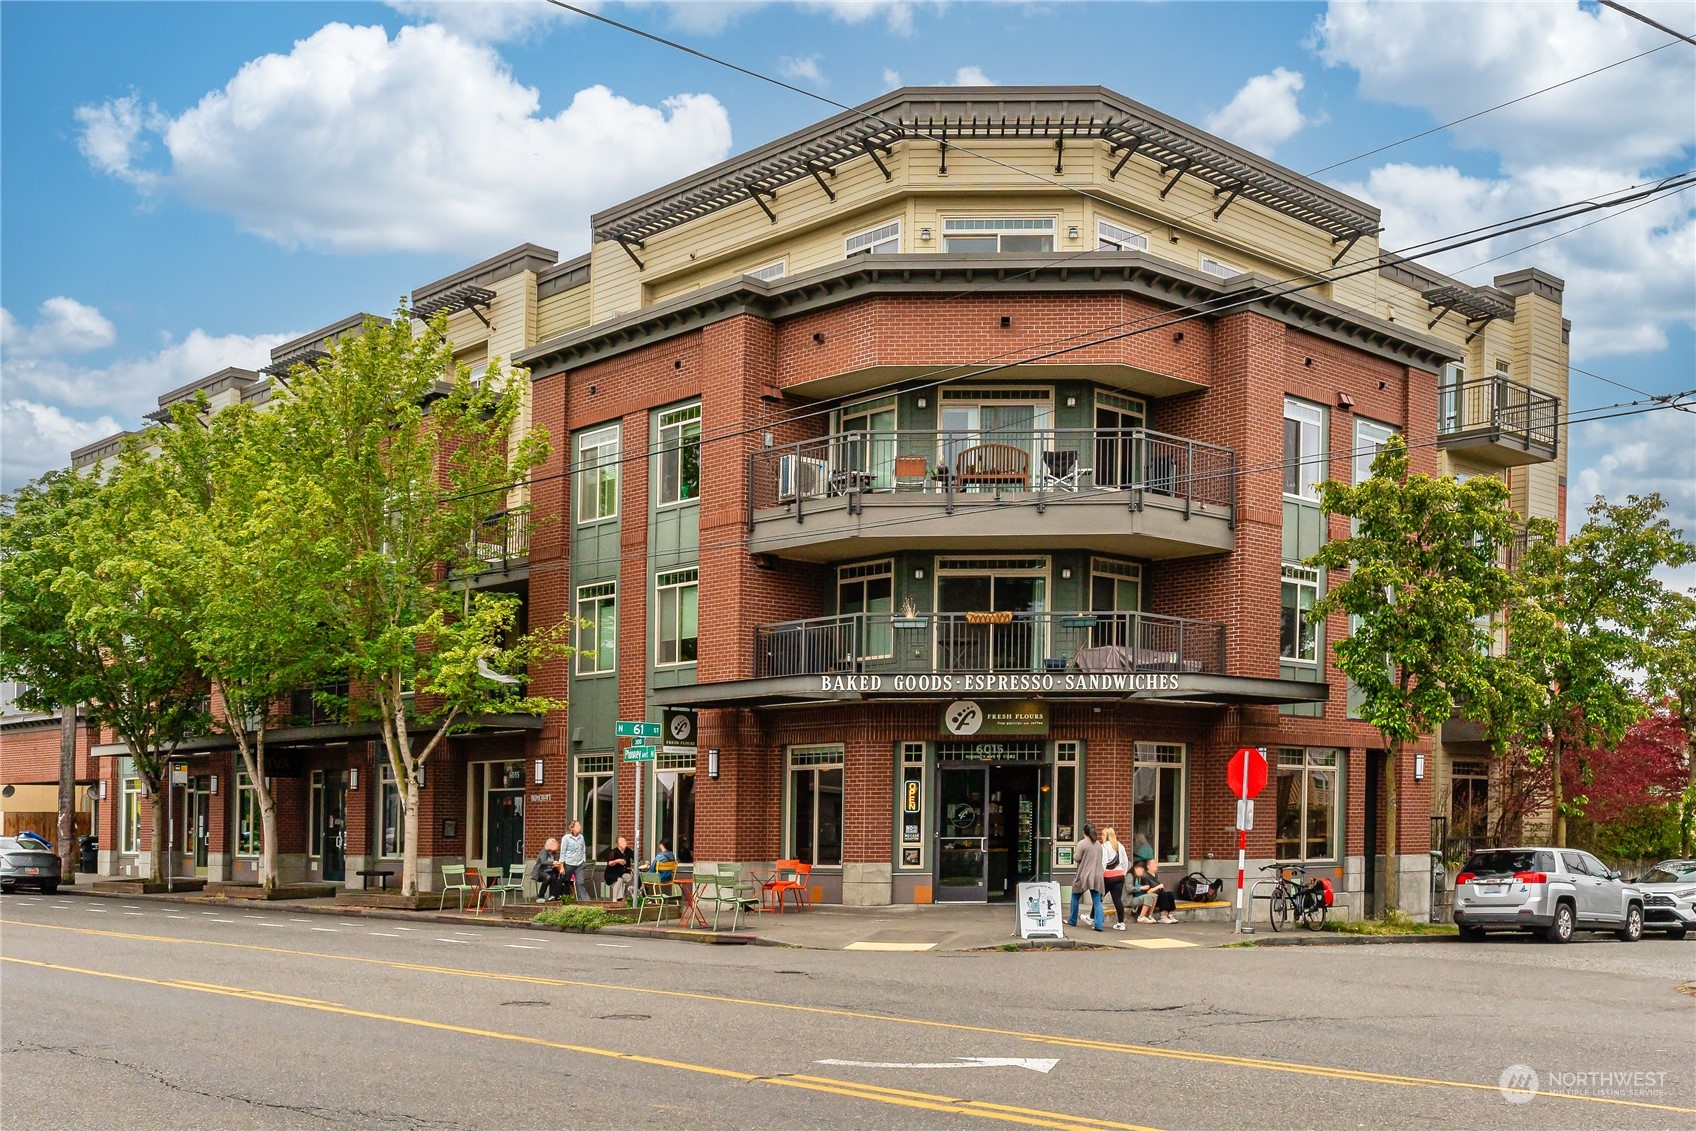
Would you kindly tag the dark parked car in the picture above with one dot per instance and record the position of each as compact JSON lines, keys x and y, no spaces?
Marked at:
{"x":26,"y":864}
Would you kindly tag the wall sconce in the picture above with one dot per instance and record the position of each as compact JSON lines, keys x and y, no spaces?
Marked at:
{"x":1066,"y":573}
{"x":420,"y":777}
{"x":922,"y":402}
{"x":918,"y":575}
{"x":214,"y":785}
{"x":1419,"y":767}
{"x":924,"y":235}
{"x":353,"y":779}
{"x":103,"y":789}
{"x":538,"y":771}
{"x":1071,"y":231}
{"x":712,"y":762}
{"x":1071,"y":402}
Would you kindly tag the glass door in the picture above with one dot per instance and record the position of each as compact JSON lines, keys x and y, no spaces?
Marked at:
{"x":976,"y":639}
{"x":868,"y":443}
{"x":503,"y":815}
{"x":962,"y":849}
{"x":1116,"y":457}
{"x":334,"y":829}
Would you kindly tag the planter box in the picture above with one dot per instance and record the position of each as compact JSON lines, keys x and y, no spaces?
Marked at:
{"x":281,"y":891}
{"x":1079,"y":622}
{"x":910,"y":622}
{"x":148,"y":887}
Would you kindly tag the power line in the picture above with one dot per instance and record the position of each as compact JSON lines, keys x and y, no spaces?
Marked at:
{"x":1641,"y":18}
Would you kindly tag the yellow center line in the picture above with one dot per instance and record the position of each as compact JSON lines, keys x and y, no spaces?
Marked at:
{"x":1222,"y":1059}
{"x":1025,"y":1117}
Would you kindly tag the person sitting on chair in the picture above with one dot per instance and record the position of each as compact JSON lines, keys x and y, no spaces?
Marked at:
{"x":665,"y":863}
{"x":548,"y":874}
{"x":617,"y":874}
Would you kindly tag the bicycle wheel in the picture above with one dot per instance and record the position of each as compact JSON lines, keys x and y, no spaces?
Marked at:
{"x":1280,"y":908}
{"x":1313,"y":915}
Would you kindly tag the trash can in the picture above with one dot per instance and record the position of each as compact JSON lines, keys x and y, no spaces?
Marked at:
{"x":88,"y":856}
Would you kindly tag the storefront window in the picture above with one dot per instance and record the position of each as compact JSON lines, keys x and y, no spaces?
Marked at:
{"x":1306,"y":804}
{"x":674,"y":804}
{"x":248,"y":826}
{"x":594,"y":802}
{"x":1157,"y":800}
{"x":910,"y":794}
{"x":1067,"y":827}
{"x":815,"y":804}
{"x":391,"y":815}
{"x":129,"y":816}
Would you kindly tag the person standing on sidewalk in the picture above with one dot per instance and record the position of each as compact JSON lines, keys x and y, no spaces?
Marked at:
{"x":1086,"y":857}
{"x":574,"y":858}
{"x":1113,"y":865}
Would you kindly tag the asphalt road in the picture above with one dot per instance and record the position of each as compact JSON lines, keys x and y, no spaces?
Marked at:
{"x":145,"y":1015}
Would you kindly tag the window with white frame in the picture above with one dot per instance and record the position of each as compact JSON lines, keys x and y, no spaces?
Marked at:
{"x":885,"y":239}
{"x":1219,"y":267}
{"x":674,"y":804}
{"x":1448,"y":396}
{"x":597,"y":628}
{"x":129,"y":816}
{"x":391,"y":816}
{"x":814,"y":832}
{"x":1304,"y":457}
{"x":248,"y":825}
{"x":677,"y":623}
{"x":680,"y":454}
{"x":770,"y":271}
{"x":910,"y":800}
{"x":1298,"y":633}
{"x":998,"y":234}
{"x":1113,"y":237}
{"x":1306,"y":804}
{"x":1068,"y":782}
{"x":1157,"y":800}
{"x":597,"y":474}
{"x":1369,"y":439}
{"x":594,"y":803}
{"x":869,"y":588}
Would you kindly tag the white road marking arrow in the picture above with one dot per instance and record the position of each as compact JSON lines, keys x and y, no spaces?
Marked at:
{"x":1035,"y":1064}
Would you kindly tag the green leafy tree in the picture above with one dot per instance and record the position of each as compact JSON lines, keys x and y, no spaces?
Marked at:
{"x":1671,"y":671}
{"x":1580,"y":626}
{"x":253,"y":544}
{"x":412,"y":455}
{"x":1422,"y":581}
{"x":99,"y":588}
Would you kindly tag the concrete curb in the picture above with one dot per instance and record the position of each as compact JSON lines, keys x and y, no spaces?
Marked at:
{"x":1325,"y":938}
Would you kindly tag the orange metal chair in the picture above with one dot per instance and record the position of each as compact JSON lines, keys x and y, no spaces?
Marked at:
{"x":792,"y":876}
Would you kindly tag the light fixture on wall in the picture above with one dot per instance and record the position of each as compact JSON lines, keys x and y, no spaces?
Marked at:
{"x":918,"y":575}
{"x":924,"y":235}
{"x":923,"y":402}
{"x":1419,"y":767}
{"x":538,"y":771}
{"x":1066,"y":574}
{"x":353,"y":779}
{"x":1071,"y":231}
{"x":1071,"y":402}
{"x":712,"y":762}
{"x":214,"y":785}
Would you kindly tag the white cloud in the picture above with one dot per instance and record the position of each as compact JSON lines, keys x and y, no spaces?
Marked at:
{"x":803,"y":69}
{"x":1653,"y":451}
{"x":36,"y":437}
{"x":489,"y":21}
{"x":111,"y":137}
{"x":891,"y":78}
{"x":972,"y":76}
{"x":1263,"y":113}
{"x":495,"y":21}
{"x":357,"y":142}
{"x":65,"y":326}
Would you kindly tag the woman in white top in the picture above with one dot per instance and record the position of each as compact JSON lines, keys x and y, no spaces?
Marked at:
{"x":1114,"y":861}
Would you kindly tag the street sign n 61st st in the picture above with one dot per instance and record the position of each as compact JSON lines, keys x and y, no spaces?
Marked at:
{"x":625,"y":728}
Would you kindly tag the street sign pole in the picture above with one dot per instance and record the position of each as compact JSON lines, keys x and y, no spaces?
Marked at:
{"x":1242,"y":851}
{"x":1253,"y":780}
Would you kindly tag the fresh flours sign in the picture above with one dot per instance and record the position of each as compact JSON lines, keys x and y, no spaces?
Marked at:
{"x":966,"y":717}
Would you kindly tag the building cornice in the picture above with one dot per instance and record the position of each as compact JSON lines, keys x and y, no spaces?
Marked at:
{"x":934,"y":274}
{"x":524,"y":257}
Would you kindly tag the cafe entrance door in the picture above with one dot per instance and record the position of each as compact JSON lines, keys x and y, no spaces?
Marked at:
{"x":990,"y":833}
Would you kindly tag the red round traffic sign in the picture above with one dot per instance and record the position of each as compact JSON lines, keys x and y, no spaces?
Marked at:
{"x":1246,"y":773}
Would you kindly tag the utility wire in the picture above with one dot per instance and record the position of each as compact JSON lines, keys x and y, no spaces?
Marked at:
{"x":1641,"y":18}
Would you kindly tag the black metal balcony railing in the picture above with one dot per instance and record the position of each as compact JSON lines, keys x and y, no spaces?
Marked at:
{"x":989,"y":642}
{"x":1500,"y":407}
{"x":307,"y":710}
{"x":946,"y":465}
{"x":502,"y":541}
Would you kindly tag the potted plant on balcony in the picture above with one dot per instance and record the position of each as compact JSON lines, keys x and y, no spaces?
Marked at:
{"x":909,"y":616}
{"x":1079,"y":620}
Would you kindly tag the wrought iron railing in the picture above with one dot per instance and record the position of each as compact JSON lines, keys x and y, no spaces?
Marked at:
{"x":502,"y":541}
{"x":947,"y":465}
{"x":989,"y":642}
{"x":307,"y":709}
{"x":1498,"y":406}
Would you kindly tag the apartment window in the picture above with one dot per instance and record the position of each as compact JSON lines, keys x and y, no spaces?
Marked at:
{"x":1306,"y":803}
{"x":815,"y":805}
{"x":1067,"y":781}
{"x":885,"y":239}
{"x":869,"y":588}
{"x":1298,"y":634}
{"x":1157,"y":800}
{"x":391,"y":815}
{"x":314,"y":815}
{"x":597,"y":628}
{"x":674,"y":804}
{"x":770,"y":271}
{"x":1448,"y":397}
{"x":597,"y":474}
{"x":1304,"y":458}
{"x":680,"y":454}
{"x":1218,"y":267}
{"x":129,"y":816}
{"x":1369,"y":439}
{"x":1469,"y":803}
{"x":248,"y":824}
{"x":910,"y":804}
{"x":1111,"y":237}
{"x":677,"y":599}
{"x":594,"y":804}
{"x":1003,"y":234}
{"x":1503,"y":369}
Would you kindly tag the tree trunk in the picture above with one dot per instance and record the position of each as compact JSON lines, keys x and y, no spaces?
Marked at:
{"x":68,"y":794}
{"x":159,"y":843}
{"x":1558,"y":827}
{"x":1392,"y":814}
{"x":253,"y":759}
{"x":409,"y":866}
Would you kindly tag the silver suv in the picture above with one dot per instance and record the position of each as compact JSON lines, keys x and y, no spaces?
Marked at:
{"x":1553,"y":890}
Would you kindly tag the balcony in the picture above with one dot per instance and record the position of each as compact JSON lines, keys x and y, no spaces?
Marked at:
{"x":882,"y":644}
{"x":1128,"y":491}
{"x":500,"y":551}
{"x":1498,"y":421}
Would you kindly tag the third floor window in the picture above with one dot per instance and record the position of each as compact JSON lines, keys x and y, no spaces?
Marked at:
{"x":1003,"y":234}
{"x":597,"y":474}
{"x":1304,"y":457}
{"x":680,"y":454}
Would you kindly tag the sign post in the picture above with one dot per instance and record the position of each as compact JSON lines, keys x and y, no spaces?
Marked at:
{"x":644,"y":732}
{"x":1246,"y":775}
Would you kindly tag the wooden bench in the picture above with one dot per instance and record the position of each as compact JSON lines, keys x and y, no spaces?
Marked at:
{"x":992,"y":465}
{"x":380,"y":874}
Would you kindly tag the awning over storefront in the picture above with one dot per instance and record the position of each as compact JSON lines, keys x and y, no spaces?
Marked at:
{"x":1165,"y":688}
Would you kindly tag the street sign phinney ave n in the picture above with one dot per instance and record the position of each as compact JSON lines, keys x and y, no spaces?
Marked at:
{"x":638,"y":753}
{"x":624,"y":728}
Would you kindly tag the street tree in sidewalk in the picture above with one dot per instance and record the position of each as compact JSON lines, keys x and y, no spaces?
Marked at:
{"x":252,"y":541}
{"x":1422,"y":581}
{"x":1579,"y":629}
{"x":412,"y":456}
{"x":88,"y":576}
{"x":1671,"y":671}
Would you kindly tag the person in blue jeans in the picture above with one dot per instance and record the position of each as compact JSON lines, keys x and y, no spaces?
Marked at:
{"x":1086,"y":857}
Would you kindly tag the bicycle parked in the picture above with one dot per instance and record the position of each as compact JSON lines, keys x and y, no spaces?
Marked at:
{"x":1305,"y":900}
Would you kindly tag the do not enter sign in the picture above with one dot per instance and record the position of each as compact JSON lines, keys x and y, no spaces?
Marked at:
{"x":1246,"y":773}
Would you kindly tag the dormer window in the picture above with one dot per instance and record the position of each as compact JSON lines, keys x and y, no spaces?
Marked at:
{"x":1005,"y":234}
{"x":885,"y":239}
{"x":770,"y":271}
{"x":1215,"y":267}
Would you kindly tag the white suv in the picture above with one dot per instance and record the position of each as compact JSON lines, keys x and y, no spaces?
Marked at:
{"x":1553,"y":890}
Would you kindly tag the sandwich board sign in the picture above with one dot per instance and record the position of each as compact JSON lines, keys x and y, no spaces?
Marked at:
{"x":1040,"y":913}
